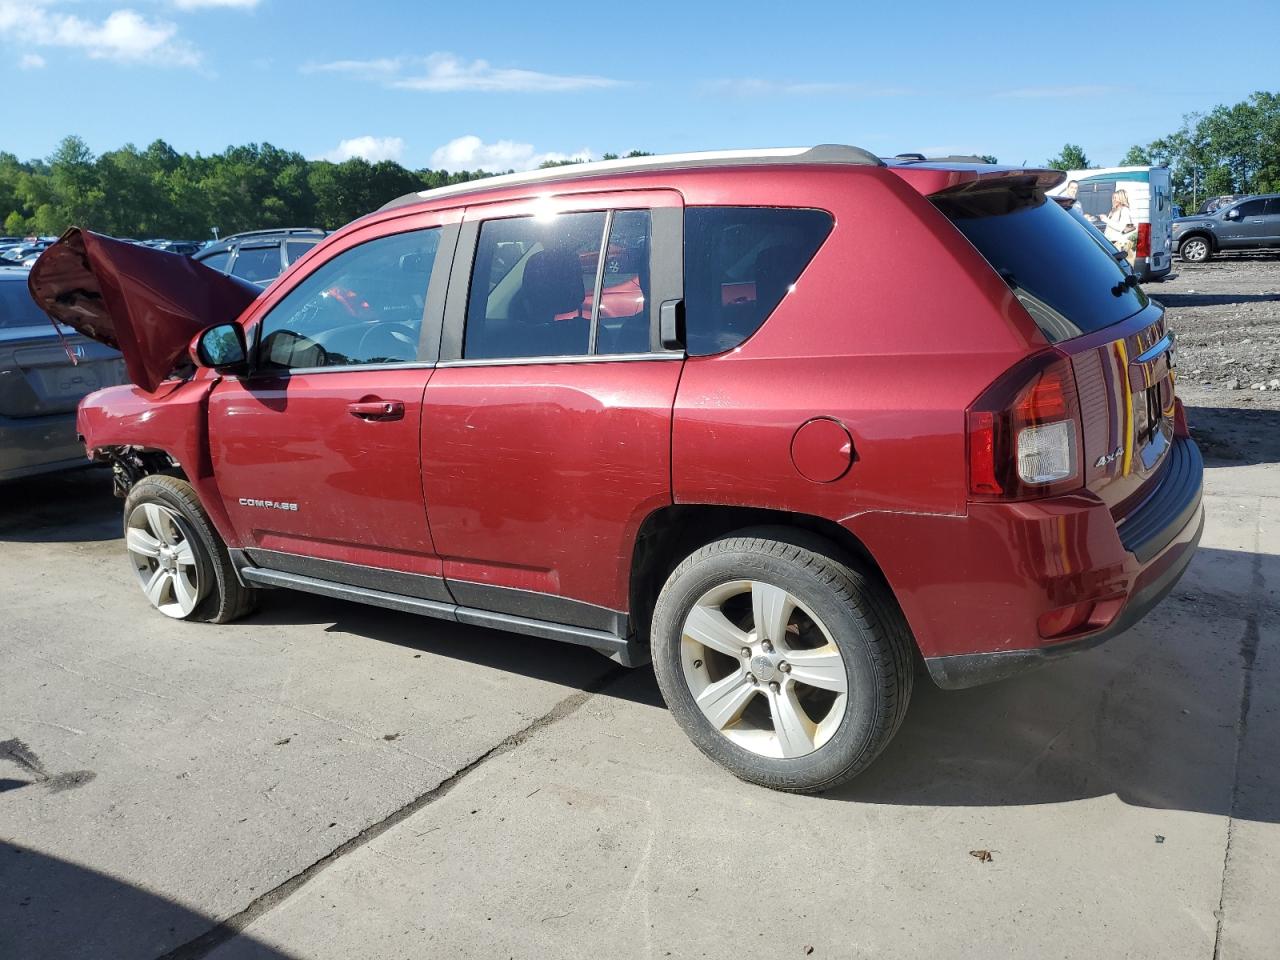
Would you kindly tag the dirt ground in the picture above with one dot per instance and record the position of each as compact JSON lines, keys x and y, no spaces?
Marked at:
{"x":1227,"y":317}
{"x":1226,"y":314}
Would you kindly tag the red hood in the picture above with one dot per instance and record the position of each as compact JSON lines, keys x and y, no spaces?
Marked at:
{"x":146,"y":303}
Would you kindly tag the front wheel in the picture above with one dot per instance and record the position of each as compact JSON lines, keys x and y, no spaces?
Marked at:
{"x":1195,"y":250}
{"x":180,"y":561}
{"x":784,"y":665}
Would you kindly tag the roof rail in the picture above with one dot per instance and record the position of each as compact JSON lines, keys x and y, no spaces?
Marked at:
{"x":827,"y":153}
{"x":272,"y":230}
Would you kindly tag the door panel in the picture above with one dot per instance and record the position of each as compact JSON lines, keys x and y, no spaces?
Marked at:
{"x":301,"y":473}
{"x":539,"y":470}
{"x":538,"y":476}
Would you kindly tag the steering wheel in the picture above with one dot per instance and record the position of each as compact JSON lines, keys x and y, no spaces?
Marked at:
{"x":401,"y":343}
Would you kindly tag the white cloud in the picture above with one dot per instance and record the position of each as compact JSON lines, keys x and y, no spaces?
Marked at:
{"x":446,"y":73}
{"x":368,"y":148}
{"x":471,"y":153}
{"x":31,"y":61}
{"x":200,"y":4}
{"x":755,"y":87}
{"x":1068,"y":91}
{"x":124,"y":36}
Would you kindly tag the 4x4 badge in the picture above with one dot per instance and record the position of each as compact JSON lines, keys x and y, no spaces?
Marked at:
{"x":1108,"y":458}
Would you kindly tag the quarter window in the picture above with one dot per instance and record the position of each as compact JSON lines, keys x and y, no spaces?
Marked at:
{"x":739,"y":262}
{"x":257,"y":264}
{"x":363,"y":306}
{"x":294,"y":249}
{"x":217,"y":261}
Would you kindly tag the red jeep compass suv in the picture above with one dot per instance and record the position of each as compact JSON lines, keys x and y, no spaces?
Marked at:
{"x":775,"y":419}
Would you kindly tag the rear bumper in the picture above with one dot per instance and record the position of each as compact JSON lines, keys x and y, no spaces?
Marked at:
{"x":973,"y":669}
{"x":1012,"y":585}
{"x":1147,"y":270}
{"x":31,"y":445}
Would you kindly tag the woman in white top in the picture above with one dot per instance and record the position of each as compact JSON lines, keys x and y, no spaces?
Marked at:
{"x":1118,"y":224}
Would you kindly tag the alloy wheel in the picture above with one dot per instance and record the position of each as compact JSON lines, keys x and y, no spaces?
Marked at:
{"x":763,"y":669}
{"x":164,"y":559}
{"x":1195,"y":250}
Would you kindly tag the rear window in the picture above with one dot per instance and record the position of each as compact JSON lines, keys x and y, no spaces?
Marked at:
{"x":17,"y":309}
{"x":739,"y":262}
{"x":1059,"y":273}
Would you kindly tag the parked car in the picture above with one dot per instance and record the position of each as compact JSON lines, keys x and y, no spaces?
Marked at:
{"x":44,"y":372}
{"x":794,"y":461}
{"x":259,"y":256}
{"x":1247,"y":224}
{"x":1214,"y":203}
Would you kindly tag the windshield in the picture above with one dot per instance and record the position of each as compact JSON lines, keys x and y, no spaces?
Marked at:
{"x":1060,"y":273}
{"x":17,"y":309}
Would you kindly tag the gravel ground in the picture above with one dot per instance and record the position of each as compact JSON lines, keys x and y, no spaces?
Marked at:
{"x":1227,"y":316}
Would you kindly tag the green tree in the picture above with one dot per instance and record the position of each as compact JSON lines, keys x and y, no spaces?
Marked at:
{"x":1070,"y":158}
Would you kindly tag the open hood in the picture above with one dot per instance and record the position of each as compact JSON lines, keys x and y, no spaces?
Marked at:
{"x":146,"y":303}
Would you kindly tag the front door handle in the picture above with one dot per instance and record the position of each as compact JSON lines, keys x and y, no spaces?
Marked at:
{"x":377,"y":409}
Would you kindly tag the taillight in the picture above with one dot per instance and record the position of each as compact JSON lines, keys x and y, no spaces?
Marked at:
{"x":1024,"y":432}
{"x":1143,"y":249}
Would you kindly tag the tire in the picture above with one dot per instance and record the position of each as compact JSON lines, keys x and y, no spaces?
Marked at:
{"x":841,"y":620}
{"x":181,"y":562}
{"x":1195,"y":249}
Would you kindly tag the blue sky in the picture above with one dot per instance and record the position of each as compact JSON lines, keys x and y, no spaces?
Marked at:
{"x":507,"y":84}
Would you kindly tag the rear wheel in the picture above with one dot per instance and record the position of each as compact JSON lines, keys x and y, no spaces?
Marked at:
{"x":1195,"y":250}
{"x":788,"y":667}
{"x":180,"y":561}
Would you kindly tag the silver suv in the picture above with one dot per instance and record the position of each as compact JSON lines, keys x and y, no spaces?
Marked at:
{"x":44,"y":371}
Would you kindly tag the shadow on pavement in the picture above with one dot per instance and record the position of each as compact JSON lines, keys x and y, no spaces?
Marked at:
{"x":1212,"y":299}
{"x":57,"y":910}
{"x":1236,"y":436}
{"x":72,"y":505}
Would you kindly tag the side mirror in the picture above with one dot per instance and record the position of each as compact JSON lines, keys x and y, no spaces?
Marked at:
{"x":1233,"y":214}
{"x":220,"y":347}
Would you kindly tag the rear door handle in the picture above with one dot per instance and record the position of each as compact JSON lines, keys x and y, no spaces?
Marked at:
{"x":377,"y":409}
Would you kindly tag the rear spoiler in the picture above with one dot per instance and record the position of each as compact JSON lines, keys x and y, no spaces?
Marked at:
{"x":146,"y":303}
{"x":934,"y":177}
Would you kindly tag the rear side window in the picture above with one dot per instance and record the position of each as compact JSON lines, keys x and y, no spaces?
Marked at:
{"x":739,"y":262}
{"x":257,"y":264}
{"x":533,"y":287}
{"x":17,"y":309}
{"x":1059,"y":273}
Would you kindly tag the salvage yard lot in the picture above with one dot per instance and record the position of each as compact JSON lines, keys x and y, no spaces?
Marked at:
{"x":328,"y":780}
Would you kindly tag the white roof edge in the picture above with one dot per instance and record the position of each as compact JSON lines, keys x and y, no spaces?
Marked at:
{"x":825,"y":153}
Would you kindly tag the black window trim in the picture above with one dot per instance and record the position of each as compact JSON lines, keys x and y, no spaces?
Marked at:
{"x":666,"y":282}
{"x":432,"y":313}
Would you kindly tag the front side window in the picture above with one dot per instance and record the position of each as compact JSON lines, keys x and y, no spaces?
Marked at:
{"x":257,"y":264}
{"x":1251,"y":208}
{"x":363,"y":306}
{"x":739,"y":262}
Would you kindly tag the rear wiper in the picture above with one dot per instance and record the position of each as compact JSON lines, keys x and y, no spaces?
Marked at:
{"x":1128,"y":283}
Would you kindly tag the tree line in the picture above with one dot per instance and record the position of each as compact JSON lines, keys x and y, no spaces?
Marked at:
{"x":1230,"y":149}
{"x":160,"y":192}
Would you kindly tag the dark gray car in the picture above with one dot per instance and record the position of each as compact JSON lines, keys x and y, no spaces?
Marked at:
{"x":1247,"y":224}
{"x":40,"y":386}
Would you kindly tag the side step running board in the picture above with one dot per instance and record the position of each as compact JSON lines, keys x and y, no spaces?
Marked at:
{"x":621,"y":649}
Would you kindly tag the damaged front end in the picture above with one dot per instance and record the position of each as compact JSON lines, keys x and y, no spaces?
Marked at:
{"x":146,"y":303}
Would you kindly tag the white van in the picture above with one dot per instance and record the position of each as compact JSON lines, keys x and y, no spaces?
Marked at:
{"x":1133,"y":206}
